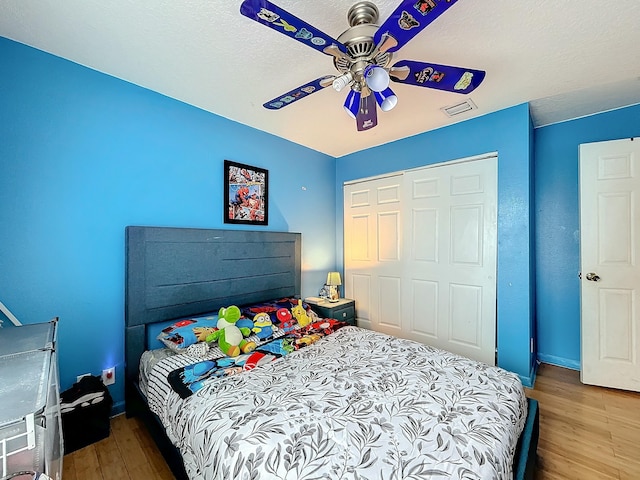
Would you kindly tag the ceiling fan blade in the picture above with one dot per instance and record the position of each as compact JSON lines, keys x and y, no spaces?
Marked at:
{"x":299,"y":93}
{"x":272,"y":16}
{"x":407,"y":20}
{"x":367,"y":117}
{"x":432,"y":75}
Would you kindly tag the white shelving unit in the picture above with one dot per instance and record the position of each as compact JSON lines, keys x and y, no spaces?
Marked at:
{"x":30,"y":422}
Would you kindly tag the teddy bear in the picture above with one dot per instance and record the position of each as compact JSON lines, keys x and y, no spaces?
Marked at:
{"x":230,"y":338}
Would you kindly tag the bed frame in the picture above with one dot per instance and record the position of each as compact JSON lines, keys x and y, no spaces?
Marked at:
{"x":177,"y":272}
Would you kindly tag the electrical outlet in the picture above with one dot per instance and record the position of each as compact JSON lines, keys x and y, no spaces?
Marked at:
{"x":109,"y":376}
{"x":83,"y":375}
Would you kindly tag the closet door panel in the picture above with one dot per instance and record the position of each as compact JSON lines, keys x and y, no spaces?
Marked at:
{"x":456,"y":250}
{"x":360,"y":288}
{"x":373,"y":235}
{"x":424,"y":310}
{"x":466,"y":235}
{"x":424,"y":234}
{"x":389,"y":304}
{"x":465,"y":315}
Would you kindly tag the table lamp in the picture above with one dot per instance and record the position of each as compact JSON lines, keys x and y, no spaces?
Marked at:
{"x":334,"y":281}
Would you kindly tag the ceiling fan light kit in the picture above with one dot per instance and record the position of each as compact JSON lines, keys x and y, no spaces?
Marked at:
{"x":386,"y":99}
{"x":342,"y":81}
{"x":376,"y":78}
{"x":363,"y":53}
{"x":352,"y":103}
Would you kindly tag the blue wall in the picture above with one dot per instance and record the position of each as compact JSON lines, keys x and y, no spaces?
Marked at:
{"x":557,"y":227}
{"x":508,"y":132}
{"x":82,"y":155}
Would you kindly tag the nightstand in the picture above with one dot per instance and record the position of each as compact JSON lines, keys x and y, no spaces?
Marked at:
{"x":344,"y":309}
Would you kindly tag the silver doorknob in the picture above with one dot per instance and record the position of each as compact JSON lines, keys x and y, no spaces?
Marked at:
{"x":592,"y":277}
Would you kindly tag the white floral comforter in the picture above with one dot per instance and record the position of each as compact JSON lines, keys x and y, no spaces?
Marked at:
{"x":355,"y":405}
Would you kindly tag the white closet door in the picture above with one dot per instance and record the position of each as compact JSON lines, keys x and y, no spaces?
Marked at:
{"x":373,"y":236}
{"x":420,"y":255}
{"x":451,"y":247}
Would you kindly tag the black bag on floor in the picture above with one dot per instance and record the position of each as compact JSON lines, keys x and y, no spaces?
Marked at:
{"x":85,"y":410}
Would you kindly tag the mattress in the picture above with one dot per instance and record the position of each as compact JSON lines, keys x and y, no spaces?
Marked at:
{"x":148,"y":362}
{"x":356,"y":404}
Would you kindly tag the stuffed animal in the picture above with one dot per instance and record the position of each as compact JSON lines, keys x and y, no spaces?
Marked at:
{"x":287,"y":323}
{"x":230,"y":338}
{"x":301,"y":314}
{"x":202,"y":333}
{"x":263,"y":326}
{"x":244,"y":323}
{"x":313,"y":316}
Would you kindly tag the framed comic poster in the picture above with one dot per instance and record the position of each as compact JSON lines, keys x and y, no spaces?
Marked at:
{"x":245,"y":194}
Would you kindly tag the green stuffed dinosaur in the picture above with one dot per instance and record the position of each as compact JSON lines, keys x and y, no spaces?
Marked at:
{"x":230,"y":338}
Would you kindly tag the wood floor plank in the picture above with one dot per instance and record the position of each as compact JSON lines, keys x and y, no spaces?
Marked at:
{"x":624,"y":416}
{"x":594,"y":434}
{"x":154,"y":457}
{"x":110,"y":458}
{"x":69,"y":467}
{"x":143,"y":471}
{"x":130,"y":449}
{"x":87,"y":465}
{"x":626,"y":449}
{"x":561,"y":466}
{"x":591,"y":457}
{"x":586,"y":413}
{"x":571,"y":389}
{"x":568,"y":442}
{"x":630,"y":472}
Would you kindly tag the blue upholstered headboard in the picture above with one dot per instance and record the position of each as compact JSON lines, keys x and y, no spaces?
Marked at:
{"x":178,"y":272}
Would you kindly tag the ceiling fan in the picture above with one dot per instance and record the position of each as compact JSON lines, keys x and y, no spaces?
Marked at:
{"x":362,"y":54}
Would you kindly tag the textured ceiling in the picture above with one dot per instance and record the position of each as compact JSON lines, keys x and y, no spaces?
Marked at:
{"x":568,"y":58}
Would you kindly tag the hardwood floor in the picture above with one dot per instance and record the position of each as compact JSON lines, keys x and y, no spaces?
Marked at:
{"x":585,"y":433}
{"x":129,"y":453}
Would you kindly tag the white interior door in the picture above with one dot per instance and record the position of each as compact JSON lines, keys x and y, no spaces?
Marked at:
{"x":373,"y":236}
{"x":609,"y":248}
{"x":451,"y":248}
{"x":420,"y":255}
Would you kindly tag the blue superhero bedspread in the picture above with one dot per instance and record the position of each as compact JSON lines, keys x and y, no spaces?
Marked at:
{"x":188,"y":380}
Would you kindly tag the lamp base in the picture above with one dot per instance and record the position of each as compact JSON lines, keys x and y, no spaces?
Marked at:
{"x":334,"y":296}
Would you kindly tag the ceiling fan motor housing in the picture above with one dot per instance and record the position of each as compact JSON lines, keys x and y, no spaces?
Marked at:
{"x":363,"y":12}
{"x":358,"y":39}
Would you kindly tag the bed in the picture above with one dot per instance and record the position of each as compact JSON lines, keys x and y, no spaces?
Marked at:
{"x":355,"y":404}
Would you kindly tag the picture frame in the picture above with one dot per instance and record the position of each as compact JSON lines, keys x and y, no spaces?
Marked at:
{"x":246,"y":191}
